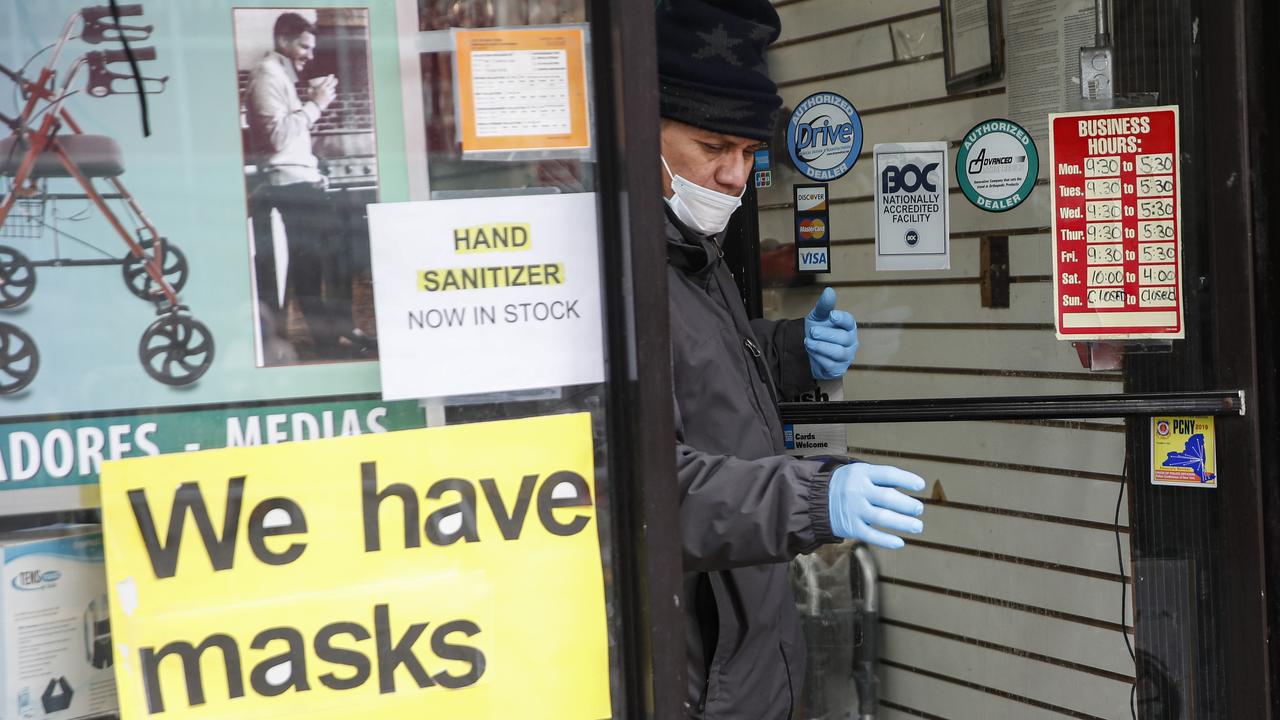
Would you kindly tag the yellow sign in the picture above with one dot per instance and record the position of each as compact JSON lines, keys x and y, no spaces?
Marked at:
{"x":522,"y":89}
{"x":501,"y":276}
{"x":1184,"y":451}
{"x":402,"y":575}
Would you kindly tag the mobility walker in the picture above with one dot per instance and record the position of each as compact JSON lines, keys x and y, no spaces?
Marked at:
{"x":45,"y":143}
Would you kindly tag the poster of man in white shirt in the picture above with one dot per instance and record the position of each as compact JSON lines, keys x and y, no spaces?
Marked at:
{"x":310,"y":169}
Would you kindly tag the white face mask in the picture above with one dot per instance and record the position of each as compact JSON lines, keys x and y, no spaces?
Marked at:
{"x":703,"y":210}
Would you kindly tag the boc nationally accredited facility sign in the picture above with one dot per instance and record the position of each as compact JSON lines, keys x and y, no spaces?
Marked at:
{"x":402,"y":575}
{"x":486,"y":295}
{"x":1184,"y":451}
{"x":913,"y":225}
{"x":1117,"y":256}
{"x":997,"y":165}
{"x":824,"y":136}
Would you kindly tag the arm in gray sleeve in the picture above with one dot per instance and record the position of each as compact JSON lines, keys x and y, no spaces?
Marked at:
{"x":736,"y":512}
{"x":269,"y":107}
{"x":782,"y":343}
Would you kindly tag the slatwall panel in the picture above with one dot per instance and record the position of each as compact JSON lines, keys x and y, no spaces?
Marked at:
{"x":1009,"y":605}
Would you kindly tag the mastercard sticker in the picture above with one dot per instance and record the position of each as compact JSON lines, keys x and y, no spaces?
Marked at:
{"x":813,"y":229}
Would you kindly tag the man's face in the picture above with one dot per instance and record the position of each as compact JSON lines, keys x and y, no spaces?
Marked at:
{"x":713,"y":160}
{"x":301,"y":49}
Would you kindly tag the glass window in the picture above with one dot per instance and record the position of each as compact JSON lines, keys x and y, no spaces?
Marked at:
{"x":187,"y":257}
{"x":916,"y":127}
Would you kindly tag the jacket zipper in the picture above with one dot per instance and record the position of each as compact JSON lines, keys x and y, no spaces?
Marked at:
{"x":706,"y":686}
{"x":761,"y":369}
{"x":791,"y":692}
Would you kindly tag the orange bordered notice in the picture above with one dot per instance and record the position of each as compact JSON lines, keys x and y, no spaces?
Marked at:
{"x":522,"y":90}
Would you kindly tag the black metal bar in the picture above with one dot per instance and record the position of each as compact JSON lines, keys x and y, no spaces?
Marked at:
{"x":1215,"y":402}
{"x":1265,"y":99}
{"x":742,"y":251}
{"x":1233,"y":46}
{"x":76,"y":263}
{"x":645,"y":494}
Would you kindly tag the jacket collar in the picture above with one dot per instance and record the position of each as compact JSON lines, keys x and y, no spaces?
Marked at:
{"x":285,"y":65}
{"x":689,"y":252}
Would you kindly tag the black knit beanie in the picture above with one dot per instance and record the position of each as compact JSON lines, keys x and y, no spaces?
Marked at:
{"x":711,"y":67}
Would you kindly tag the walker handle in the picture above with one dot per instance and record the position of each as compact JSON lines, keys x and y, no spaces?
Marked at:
{"x":94,"y":13}
{"x":101,"y":26}
{"x":140,"y":54}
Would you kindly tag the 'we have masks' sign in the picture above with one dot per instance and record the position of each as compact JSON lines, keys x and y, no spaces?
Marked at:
{"x":400,"y":575}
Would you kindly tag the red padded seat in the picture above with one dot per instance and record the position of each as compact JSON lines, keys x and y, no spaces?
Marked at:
{"x":95,"y":155}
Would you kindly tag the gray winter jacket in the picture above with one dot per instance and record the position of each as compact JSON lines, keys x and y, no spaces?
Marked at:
{"x":746,"y":508}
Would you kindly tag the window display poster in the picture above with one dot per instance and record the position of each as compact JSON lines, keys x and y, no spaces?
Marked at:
{"x":487,"y":294}
{"x":226,"y":286}
{"x":1184,"y":452}
{"x":522,"y":89}
{"x":1117,"y":260}
{"x":406,"y":575}
{"x":913,"y":226}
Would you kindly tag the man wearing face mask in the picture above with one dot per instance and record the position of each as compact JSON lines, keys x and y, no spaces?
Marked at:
{"x":746,"y":507}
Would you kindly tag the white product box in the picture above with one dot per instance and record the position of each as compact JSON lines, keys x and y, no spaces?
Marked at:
{"x":55,"y":635}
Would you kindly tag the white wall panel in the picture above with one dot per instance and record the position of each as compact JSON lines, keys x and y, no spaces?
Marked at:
{"x":1063,"y":687}
{"x":840,"y":53}
{"x":1028,"y":302}
{"x":1047,"y":542}
{"x":811,"y":17}
{"x":944,"y":699}
{"x":1094,"y":451}
{"x":1058,"y":496}
{"x":888,"y":86}
{"x":1087,"y":645}
{"x":1060,"y":591}
{"x":876,"y":384}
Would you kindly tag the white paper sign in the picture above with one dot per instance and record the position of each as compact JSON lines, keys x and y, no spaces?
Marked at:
{"x":486,"y":295}
{"x":913,"y":220}
{"x":824,"y":439}
{"x":521,"y":92}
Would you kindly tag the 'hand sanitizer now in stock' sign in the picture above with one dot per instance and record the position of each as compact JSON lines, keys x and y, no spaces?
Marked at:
{"x":1117,"y":236}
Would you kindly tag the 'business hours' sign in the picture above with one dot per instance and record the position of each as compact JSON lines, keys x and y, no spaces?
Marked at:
{"x":404,"y":575}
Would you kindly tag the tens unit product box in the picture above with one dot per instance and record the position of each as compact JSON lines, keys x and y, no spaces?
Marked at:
{"x":55,"y":635}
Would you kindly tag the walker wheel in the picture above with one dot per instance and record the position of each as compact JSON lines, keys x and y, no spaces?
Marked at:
{"x":17,"y":277}
{"x":176,"y":349}
{"x":174,"y":270}
{"x":19,"y":359}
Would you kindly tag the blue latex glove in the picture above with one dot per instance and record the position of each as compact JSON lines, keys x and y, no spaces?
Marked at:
{"x":830,"y":337}
{"x":862,"y":495}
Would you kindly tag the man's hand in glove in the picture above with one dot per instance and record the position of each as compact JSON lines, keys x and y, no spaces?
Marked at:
{"x":830,"y":337}
{"x":862,"y":495}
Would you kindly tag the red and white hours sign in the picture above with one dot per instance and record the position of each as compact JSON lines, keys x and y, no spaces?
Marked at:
{"x":1117,"y":239}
